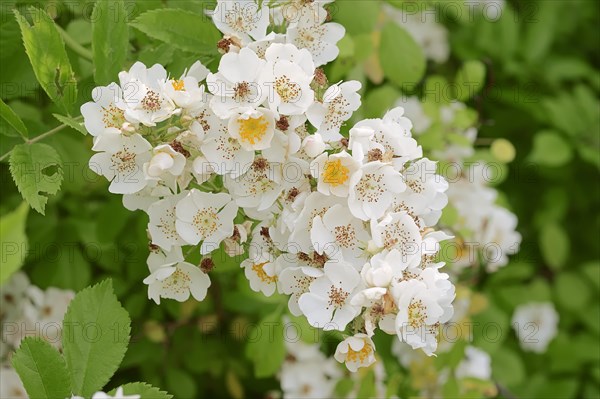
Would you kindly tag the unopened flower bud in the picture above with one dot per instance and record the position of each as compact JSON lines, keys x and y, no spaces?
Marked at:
{"x":313,"y":145}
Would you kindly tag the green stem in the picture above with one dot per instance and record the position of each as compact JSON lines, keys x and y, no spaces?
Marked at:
{"x":73,"y":45}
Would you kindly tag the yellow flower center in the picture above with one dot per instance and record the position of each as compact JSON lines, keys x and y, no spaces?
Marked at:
{"x":335,"y":173}
{"x":177,"y":85}
{"x":262,"y":275}
{"x":359,"y":356}
{"x":253,"y":129}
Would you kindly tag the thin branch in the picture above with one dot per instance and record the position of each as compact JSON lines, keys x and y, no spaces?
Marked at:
{"x":37,"y":138}
{"x":73,"y":45}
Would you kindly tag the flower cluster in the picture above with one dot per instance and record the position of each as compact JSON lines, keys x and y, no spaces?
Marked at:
{"x":256,"y":158}
{"x":26,"y":310}
{"x":484,"y":226}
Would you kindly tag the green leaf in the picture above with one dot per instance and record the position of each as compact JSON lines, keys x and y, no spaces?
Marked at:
{"x":110,"y":40}
{"x":146,"y":391}
{"x":180,"y":383}
{"x":184,"y":30}
{"x":507,"y":367}
{"x":401,"y":57}
{"x":13,"y":119}
{"x":265,"y":346}
{"x":469,"y":80}
{"x":96,"y":332}
{"x":48,"y":57}
{"x":356,"y":16}
{"x":379,"y":100}
{"x":555,"y":245}
{"x":71,"y":122}
{"x":550,"y":149}
{"x":42,"y":370}
{"x":37,"y":172}
{"x":13,"y":240}
{"x":571,"y":291}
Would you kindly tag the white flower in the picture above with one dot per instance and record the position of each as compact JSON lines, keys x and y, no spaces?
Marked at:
{"x":399,"y":231}
{"x":236,"y":85}
{"x":47,"y":307}
{"x":535,"y":324}
{"x":13,"y":296}
{"x":106,"y":112}
{"x":186,"y":91}
{"x":313,"y":145}
{"x":310,"y":32}
{"x":121,"y":161}
{"x":118,"y":395}
{"x":253,"y":128}
{"x":145,"y":197}
{"x":144,"y":96}
{"x":333,"y":173}
{"x":162,"y":224}
{"x":423,"y":182}
{"x":241,"y":18}
{"x":387,"y":140}
{"x":224,"y":153}
{"x":164,"y":160}
{"x":260,"y":46}
{"x":372,"y":190}
{"x":339,"y":102}
{"x":287,"y":77}
{"x":499,"y":237}
{"x":327,"y":304}
{"x":170,"y":277}
{"x":476,"y":364}
{"x":295,"y":281}
{"x":205,"y":217}
{"x":356,"y":352}
{"x":340,"y":235}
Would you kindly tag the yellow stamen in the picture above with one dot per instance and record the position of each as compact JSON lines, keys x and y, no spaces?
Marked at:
{"x":361,"y":355}
{"x":262,"y":275}
{"x":335,"y":173}
{"x":253,"y":129}
{"x":177,"y":85}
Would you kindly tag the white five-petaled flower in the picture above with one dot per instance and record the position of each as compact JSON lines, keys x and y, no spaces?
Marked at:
{"x":186,"y":91}
{"x":205,"y":217}
{"x":340,"y":235}
{"x":106,"y":113}
{"x":244,"y":19}
{"x":333,"y":173}
{"x":121,"y":161}
{"x":165,"y":160}
{"x":253,"y":128}
{"x":162,"y":225}
{"x":173,"y":278}
{"x":235,"y":86}
{"x":327,"y":304}
{"x":339,"y":102}
{"x":287,"y":77}
{"x":372,"y":190}
{"x":144,"y":96}
{"x":356,"y":351}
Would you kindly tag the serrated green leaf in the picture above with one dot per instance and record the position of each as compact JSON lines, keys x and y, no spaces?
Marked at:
{"x":266,"y":348}
{"x":469,"y":80}
{"x":96,"y":332}
{"x":37,"y":172}
{"x":71,"y":122}
{"x":42,"y":370}
{"x":146,"y":391}
{"x":401,"y":57}
{"x":14,"y":241}
{"x":110,"y":40}
{"x":182,"y":29}
{"x":46,"y":51}
{"x":13,"y":119}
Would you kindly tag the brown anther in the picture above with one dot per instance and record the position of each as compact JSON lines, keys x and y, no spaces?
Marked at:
{"x":224,"y":44}
{"x":207,"y":265}
{"x":153,"y":247}
{"x":236,"y":234}
{"x":260,"y":164}
{"x":320,"y":78}
{"x":304,"y":257}
{"x":374,"y":155}
{"x":319,"y":260}
{"x":283,"y":124}
{"x":292,"y":194}
{"x":344,"y":142}
{"x":264,"y":231}
{"x":177,"y":146}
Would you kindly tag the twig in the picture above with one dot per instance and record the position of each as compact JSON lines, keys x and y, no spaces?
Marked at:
{"x":73,"y":45}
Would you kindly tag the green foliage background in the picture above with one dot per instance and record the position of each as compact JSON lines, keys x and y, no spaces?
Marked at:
{"x":540,"y":91}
